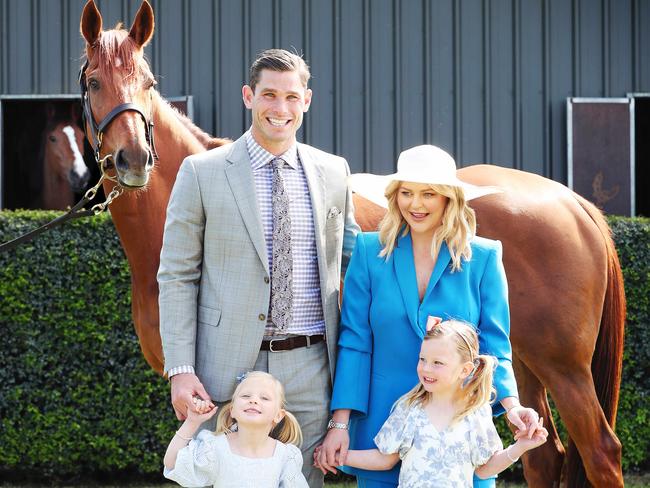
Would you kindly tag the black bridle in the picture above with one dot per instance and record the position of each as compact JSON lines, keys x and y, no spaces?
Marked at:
{"x":97,"y":130}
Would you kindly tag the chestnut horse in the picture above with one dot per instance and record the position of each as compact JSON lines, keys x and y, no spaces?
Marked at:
{"x":64,"y":170}
{"x":566,"y":289}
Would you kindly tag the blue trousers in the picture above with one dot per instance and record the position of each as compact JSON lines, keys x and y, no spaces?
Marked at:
{"x":366,"y":483}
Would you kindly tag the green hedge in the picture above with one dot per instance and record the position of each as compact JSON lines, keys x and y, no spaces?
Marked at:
{"x":77,"y":398}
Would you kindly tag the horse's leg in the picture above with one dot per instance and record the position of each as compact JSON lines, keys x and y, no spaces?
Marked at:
{"x":144,"y":307}
{"x":543,"y":465}
{"x":575,"y":397}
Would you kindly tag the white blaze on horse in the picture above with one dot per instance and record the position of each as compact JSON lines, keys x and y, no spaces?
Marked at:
{"x":64,"y":170}
{"x":566,"y":288}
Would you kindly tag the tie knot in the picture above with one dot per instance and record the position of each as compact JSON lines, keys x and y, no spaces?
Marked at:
{"x":278,"y":162}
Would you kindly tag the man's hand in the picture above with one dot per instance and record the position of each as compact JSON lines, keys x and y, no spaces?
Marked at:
{"x":334,"y":450}
{"x":186,"y":386}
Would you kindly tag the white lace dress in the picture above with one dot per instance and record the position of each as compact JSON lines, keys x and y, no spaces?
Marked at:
{"x":433,"y":459}
{"x":208,"y":460}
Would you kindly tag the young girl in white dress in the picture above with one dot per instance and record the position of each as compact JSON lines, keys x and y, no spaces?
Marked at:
{"x":442,"y":429}
{"x":254,"y":445}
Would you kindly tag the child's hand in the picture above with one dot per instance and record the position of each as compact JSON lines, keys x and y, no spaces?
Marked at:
{"x":317,"y":463}
{"x":539,"y":437}
{"x":200,"y":411}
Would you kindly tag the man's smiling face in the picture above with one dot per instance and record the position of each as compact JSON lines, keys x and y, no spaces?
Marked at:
{"x":277,"y":107}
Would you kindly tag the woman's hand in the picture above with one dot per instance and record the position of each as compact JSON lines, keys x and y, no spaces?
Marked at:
{"x":334,"y":450}
{"x":526,"y":421}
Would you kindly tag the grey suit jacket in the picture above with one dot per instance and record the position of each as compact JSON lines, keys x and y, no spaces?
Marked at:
{"x":213,"y":275}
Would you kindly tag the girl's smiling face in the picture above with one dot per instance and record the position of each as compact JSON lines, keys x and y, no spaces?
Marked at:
{"x":257,"y":403}
{"x":440,"y":367}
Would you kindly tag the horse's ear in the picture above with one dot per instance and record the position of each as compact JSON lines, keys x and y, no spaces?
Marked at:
{"x":91,"y":22}
{"x":142,"y":28}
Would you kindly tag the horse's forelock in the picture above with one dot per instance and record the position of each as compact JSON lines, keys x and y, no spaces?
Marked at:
{"x":116,"y":49}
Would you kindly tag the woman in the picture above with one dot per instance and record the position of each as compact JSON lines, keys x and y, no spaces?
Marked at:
{"x":426,"y":260}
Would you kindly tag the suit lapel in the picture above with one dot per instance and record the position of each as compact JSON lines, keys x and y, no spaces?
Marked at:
{"x":242,"y":185}
{"x":406,"y":280}
{"x":316,"y":183}
{"x":441,"y":264}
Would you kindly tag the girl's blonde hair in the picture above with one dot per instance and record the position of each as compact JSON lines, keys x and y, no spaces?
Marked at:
{"x":457,"y":229}
{"x":477,"y":388}
{"x":286,"y":431}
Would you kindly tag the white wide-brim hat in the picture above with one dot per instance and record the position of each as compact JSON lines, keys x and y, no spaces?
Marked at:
{"x":420,"y":164}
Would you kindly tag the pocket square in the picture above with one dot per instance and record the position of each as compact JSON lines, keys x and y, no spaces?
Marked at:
{"x":333,"y":212}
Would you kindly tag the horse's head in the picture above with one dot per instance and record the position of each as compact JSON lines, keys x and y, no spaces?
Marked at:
{"x":63,"y":142}
{"x":117,"y":89}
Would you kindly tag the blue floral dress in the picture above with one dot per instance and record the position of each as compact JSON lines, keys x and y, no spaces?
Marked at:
{"x":433,"y":459}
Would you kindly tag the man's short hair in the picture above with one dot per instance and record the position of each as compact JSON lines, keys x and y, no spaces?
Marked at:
{"x":278,"y":60}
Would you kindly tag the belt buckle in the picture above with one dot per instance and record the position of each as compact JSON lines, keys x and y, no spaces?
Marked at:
{"x":271,"y":344}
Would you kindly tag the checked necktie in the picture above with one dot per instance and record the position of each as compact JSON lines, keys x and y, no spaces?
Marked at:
{"x":282,"y":270}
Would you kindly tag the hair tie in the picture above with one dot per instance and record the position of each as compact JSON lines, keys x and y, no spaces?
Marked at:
{"x":242,"y":376}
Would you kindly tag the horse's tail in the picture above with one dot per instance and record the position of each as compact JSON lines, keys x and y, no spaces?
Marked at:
{"x":607,"y":361}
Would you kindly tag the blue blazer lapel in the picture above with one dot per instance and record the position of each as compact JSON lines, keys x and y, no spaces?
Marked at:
{"x":242,"y":185}
{"x":441,"y":264}
{"x":406,"y":280}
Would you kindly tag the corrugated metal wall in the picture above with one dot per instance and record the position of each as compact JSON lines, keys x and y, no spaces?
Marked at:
{"x":486,"y":79}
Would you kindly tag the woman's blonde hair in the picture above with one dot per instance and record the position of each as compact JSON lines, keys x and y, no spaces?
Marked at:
{"x":477,"y":388}
{"x":286,"y":431}
{"x":457,"y":229}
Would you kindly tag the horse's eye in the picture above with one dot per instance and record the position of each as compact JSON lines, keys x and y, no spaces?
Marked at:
{"x":93,"y":84}
{"x":52,"y":138}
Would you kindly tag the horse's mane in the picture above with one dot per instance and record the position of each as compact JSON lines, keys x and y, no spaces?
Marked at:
{"x":205,"y":139}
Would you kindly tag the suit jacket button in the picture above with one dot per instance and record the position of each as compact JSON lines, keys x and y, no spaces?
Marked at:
{"x":261,"y":316}
{"x":266,"y":279}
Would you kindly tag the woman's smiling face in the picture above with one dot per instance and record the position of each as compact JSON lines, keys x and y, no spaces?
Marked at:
{"x":421,"y":207}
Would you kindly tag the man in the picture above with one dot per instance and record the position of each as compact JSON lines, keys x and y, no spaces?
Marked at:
{"x":256,"y":235}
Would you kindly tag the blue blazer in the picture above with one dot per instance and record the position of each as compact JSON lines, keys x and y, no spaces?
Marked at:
{"x":383,"y":324}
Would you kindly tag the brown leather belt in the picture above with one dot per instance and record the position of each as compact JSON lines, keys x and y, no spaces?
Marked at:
{"x":275,"y":345}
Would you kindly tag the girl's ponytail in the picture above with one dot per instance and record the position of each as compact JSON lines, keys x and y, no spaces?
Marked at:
{"x":288,"y":430}
{"x":477,"y":388}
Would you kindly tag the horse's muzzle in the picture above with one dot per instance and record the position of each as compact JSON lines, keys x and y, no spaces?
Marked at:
{"x":129,"y":174}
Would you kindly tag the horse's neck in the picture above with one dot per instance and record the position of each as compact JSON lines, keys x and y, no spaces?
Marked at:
{"x":139,"y":217}
{"x":57,"y":194}
{"x":205,"y":139}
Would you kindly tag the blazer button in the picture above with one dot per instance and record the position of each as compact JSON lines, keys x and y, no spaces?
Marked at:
{"x":266,"y":280}
{"x":261,"y":316}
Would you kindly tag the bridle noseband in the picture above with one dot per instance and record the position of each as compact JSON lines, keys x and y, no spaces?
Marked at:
{"x":97,"y":130}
